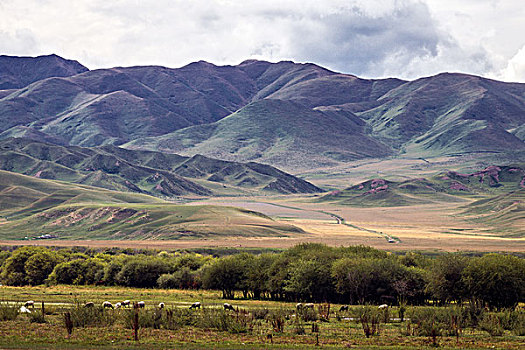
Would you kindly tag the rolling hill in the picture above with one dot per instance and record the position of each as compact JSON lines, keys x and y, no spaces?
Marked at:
{"x":504,"y":213}
{"x":448,"y":187}
{"x":159,"y":174}
{"x":33,"y":207}
{"x":295,"y":116}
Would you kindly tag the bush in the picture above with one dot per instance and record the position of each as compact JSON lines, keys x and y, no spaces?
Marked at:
{"x":224,"y":321}
{"x":492,"y":325}
{"x":9,"y":312}
{"x":425,"y":321}
{"x":142,"y":272}
{"x":307,"y":314}
{"x":36,"y":317}
{"x":370,"y":319}
{"x":518,"y":326}
{"x":260,"y":314}
{"x":82,"y":316}
{"x":277,"y":319}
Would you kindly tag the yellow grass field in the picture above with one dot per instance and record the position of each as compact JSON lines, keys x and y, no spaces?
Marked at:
{"x":423,"y":227}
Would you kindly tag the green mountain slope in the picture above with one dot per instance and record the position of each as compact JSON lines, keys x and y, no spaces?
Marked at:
{"x":32,"y":207}
{"x":275,"y":132}
{"x":297,"y":116}
{"x":162,"y":175}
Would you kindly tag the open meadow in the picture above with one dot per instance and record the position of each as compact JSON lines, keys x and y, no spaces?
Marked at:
{"x":254,"y":324}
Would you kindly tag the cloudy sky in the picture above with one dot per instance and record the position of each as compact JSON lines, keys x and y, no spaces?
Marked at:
{"x":369,"y":38}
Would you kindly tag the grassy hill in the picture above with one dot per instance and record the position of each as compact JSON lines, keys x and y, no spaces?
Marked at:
{"x":32,"y":207}
{"x":447,"y":187}
{"x":162,"y":175}
{"x":274,"y":132}
{"x":505,"y":213}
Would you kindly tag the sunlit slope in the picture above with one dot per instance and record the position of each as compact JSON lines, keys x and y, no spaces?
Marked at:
{"x":31,"y":207}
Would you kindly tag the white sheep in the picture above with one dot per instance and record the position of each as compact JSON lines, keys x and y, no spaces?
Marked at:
{"x":309,"y":306}
{"x":161,"y":305}
{"x":228,"y":307}
{"x":126,"y":303}
{"x":24,"y":310}
{"x":382,"y":306}
{"x":141,"y":304}
{"x":107,"y":304}
{"x":118,"y":305}
{"x":29,"y":303}
{"x":195,"y":305}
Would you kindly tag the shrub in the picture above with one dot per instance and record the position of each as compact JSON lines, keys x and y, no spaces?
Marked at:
{"x":224,"y":321}
{"x":307,"y":314}
{"x":277,"y":319}
{"x":36,"y":317}
{"x":260,"y":314}
{"x":427,"y":322}
{"x":369,"y":317}
{"x":92,"y":316}
{"x":492,"y":325}
{"x":9,"y":312}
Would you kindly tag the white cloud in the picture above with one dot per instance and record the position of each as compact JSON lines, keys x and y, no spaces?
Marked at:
{"x":403,"y":38}
{"x":515,"y":70}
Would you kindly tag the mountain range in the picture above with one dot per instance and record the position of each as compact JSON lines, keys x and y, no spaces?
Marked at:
{"x":289,"y":115}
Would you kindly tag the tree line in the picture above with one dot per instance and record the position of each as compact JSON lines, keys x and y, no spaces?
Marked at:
{"x":306,"y":272}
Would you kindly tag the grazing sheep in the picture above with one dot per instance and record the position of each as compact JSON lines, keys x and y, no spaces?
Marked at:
{"x":29,"y":303}
{"x":24,"y":310}
{"x":118,"y":305}
{"x":195,"y":305}
{"x":343,"y":308}
{"x":299,"y":306}
{"x":309,"y":306}
{"x":107,"y":304}
{"x":126,"y":303}
{"x":141,"y":304}
{"x":382,"y":306}
{"x":161,"y":305}
{"x":228,"y":307}
{"x":89,"y":304}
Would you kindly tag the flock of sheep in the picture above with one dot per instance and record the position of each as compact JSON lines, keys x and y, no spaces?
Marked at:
{"x":195,"y":305}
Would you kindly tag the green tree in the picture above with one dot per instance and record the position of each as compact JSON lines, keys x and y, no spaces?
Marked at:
{"x":142,"y":272}
{"x":13,"y":271}
{"x":79,"y":271}
{"x":224,"y":274}
{"x":446,"y":282}
{"x":496,"y":280}
{"x":40,"y":265}
{"x":310,"y":280}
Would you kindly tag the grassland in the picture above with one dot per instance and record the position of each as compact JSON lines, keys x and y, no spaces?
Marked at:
{"x":32,"y":207}
{"x":340,"y":332}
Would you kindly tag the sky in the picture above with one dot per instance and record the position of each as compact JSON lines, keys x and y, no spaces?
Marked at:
{"x":406,"y":39}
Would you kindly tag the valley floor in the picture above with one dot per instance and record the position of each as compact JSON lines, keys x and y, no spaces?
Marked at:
{"x":424,"y":227}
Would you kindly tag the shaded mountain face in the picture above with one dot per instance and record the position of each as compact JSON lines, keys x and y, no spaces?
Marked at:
{"x":17,"y":72}
{"x":275,"y":132}
{"x":295,"y":116}
{"x":159,"y":174}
